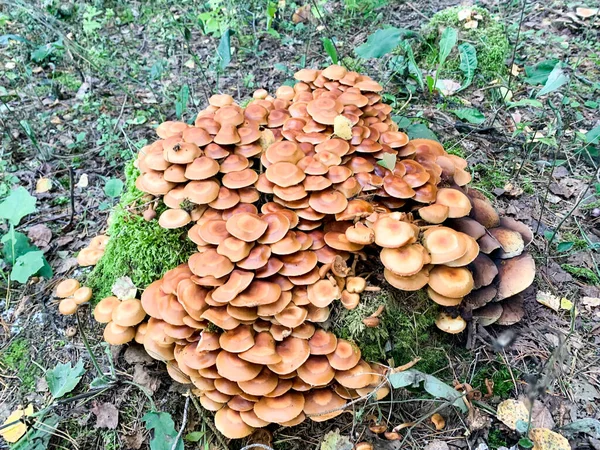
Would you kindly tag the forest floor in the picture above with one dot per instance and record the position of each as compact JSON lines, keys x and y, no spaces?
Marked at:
{"x":84,"y":84}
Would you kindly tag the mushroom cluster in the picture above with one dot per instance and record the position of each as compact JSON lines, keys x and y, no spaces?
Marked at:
{"x":282,"y":198}
{"x":90,"y":255}
{"x":72,"y":294}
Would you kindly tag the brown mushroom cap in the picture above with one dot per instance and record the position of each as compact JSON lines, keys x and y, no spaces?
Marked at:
{"x":515,"y":275}
{"x":210,"y":263}
{"x":444,"y":244}
{"x":294,"y":352}
{"x":436,"y":213}
{"x":322,"y":342}
{"x":67,"y":287}
{"x":449,"y":324}
{"x":316,"y":371}
{"x":232,"y":367}
{"x":82,"y":295}
{"x":359,"y":376}
{"x":174,"y":218}
{"x":323,"y":292}
{"x":323,"y":404}
{"x":441,"y":299}
{"x":280,"y":409}
{"x":512,"y":311}
{"x":392,"y":233}
{"x":117,"y":335}
{"x":511,"y":242}
{"x":329,"y":201}
{"x":408,"y":283}
{"x":345,"y":356}
{"x":488,"y":314}
{"x":67,"y":307}
{"x":237,"y":282}
{"x":246,"y":226}
{"x":237,"y":340}
{"x":104,"y":309}
{"x":128,"y":313}
{"x":229,"y":422}
{"x":484,"y":213}
{"x":284,"y":174}
{"x":404,"y":261}
{"x":451,"y":282}
{"x":263,"y":384}
{"x":458,"y":203}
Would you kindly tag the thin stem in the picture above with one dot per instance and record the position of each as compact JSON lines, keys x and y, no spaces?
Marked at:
{"x":89,"y":349}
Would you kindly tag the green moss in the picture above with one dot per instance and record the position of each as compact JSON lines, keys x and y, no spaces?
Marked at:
{"x":406,"y":331}
{"x":582,"y":272}
{"x":500,"y":375}
{"x":67,"y":81}
{"x":17,"y":357}
{"x":496,"y":440}
{"x":139,"y":249}
{"x":489,"y":39}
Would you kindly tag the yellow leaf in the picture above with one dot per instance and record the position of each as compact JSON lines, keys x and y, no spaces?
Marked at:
{"x":14,"y":432}
{"x":342,"y":127}
{"x":566,"y":304}
{"x":515,"y":70}
{"x":549,"y":300}
{"x":506,"y":93}
{"x":266,"y":139}
{"x":511,"y":411}
{"x":544,"y":439}
{"x":43,"y":185}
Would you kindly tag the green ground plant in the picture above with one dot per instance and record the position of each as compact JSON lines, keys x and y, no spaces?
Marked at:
{"x":137,"y":248}
{"x":17,"y":357}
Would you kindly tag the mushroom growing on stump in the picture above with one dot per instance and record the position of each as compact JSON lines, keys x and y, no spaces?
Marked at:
{"x":282,"y":198}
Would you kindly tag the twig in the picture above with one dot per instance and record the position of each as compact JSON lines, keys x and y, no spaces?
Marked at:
{"x":183,"y":422}
{"x":411,"y":6}
{"x":69,"y":224}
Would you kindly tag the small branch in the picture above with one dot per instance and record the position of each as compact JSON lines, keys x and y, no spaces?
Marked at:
{"x":183,"y":422}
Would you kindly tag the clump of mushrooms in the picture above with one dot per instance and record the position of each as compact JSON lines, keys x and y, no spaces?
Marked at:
{"x":281,"y":197}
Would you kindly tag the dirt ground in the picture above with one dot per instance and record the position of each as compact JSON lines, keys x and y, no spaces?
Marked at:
{"x":82,"y":85}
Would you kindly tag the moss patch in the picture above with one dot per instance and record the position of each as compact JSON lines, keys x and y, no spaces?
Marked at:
{"x":407,"y":330}
{"x":17,"y":357}
{"x":489,"y":39}
{"x":139,"y":249}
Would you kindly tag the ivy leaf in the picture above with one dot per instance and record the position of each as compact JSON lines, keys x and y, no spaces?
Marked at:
{"x":224,"y":49}
{"x":63,"y":378}
{"x":420,"y":131}
{"x":471,"y":115}
{"x":468,"y":63}
{"x":447,"y":43}
{"x":27,"y":265}
{"x":164,"y":431}
{"x":431,"y":384}
{"x":17,"y":205}
{"x":330,"y":50}
{"x":382,"y":42}
{"x":113,"y":188}
{"x":556,"y":79}
{"x":17,"y":241}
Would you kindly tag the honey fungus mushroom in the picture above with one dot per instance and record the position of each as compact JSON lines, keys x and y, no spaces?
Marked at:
{"x":285,"y":199}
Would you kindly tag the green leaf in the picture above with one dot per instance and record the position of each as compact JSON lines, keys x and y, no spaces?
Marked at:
{"x":593,"y":136}
{"x":17,"y":205}
{"x":588,"y":425}
{"x":471,"y":115}
{"x":113,"y":188}
{"x":539,"y":73}
{"x":382,"y":42}
{"x":38,"y":436}
{"x":468,"y":63}
{"x":27,"y":265}
{"x":430,"y":83}
{"x":420,"y":131}
{"x":224,"y":49}
{"x":17,"y":241}
{"x":46,"y":270}
{"x":447,"y":43}
{"x":63,"y":378}
{"x":564,"y":246}
{"x":525,"y":442}
{"x":526,"y":102}
{"x":195,"y":436}
{"x":401,"y":121}
{"x":330,"y":50}
{"x":431,"y":384}
{"x":388,"y":161}
{"x":521,"y":426}
{"x":182,"y":100}
{"x":164,"y":431}
{"x":413,"y":69}
{"x":556,"y":79}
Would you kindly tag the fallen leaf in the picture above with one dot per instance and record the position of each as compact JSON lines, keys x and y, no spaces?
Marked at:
{"x":266,"y":138}
{"x":335,"y":441}
{"x":14,"y":432}
{"x":83,"y":181}
{"x":43,"y":185}
{"x":511,"y":411}
{"x":135,"y":354}
{"x":437,"y":445}
{"x":505,"y":93}
{"x":566,"y":304}
{"x":40,"y":235}
{"x":302,"y":14}
{"x":464,"y":14}
{"x":545,"y":439}
{"x":591,"y":301}
{"x":124,"y":288}
{"x":586,"y":13}
{"x":107,"y":415}
{"x":189,"y":64}
{"x":342,"y":127}
{"x":549,"y":300}
{"x":541,"y":416}
{"x":133,"y":441}
{"x":515,"y":70}
{"x":447,"y":87}
{"x":142,"y":377}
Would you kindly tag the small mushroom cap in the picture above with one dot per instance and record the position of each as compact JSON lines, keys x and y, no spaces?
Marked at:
{"x":458,"y":203}
{"x":104,"y":309}
{"x":488,"y":314}
{"x":520,"y":227}
{"x":451,"y":282}
{"x":469,"y":256}
{"x":328,"y":201}
{"x":404,"y":261}
{"x":128,"y":313}
{"x":359,"y":376}
{"x":512,"y":311}
{"x":232,"y":367}
{"x":322,"y":342}
{"x":82,"y":295}
{"x":484,"y":213}
{"x":246,"y":226}
{"x":284,"y":174}
{"x":515,"y":275}
{"x":345,"y":356}
{"x":220,"y":317}
{"x":511,"y":242}
{"x":436,"y":213}
{"x":280,"y":409}
{"x":237,"y":340}
{"x":258,"y":293}
{"x":67,"y":307}
{"x":210,"y":263}
{"x":392,"y":233}
{"x":444,"y":244}
{"x":323,"y":404}
{"x":323,"y":292}
{"x":174,"y":218}
{"x":117,"y":335}
{"x":316,"y":371}
{"x":67,"y":287}
{"x":229,"y":422}
{"x":237,"y":282}
{"x":468,"y":226}
{"x":449,"y":324}
{"x":408,"y":283}
{"x":441,"y":299}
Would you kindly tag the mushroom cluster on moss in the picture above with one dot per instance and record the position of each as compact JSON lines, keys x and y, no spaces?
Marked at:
{"x":282,"y":198}
{"x":90,"y":255}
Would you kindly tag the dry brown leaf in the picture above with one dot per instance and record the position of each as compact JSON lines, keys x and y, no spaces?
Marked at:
{"x":545,"y":439}
{"x":107,"y":415}
{"x":549,"y":300}
{"x":541,"y":416}
{"x":133,"y":441}
{"x":586,"y":13}
{"x":43,"y":185}
{"x":511,"y":411}
{"x":40,"y":235}
{"x":591,"y":301}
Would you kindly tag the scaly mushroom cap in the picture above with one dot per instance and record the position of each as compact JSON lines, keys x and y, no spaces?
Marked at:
{"x":323,"y":404}
{"x":229,"y":422}
{"x":280,"y":409}
{"x":451,"y":282}
{"x":345,"y":356}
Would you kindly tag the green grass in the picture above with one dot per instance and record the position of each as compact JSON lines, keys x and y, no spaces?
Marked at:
{"x":500,"y":375}
{"x":17,"y":357}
